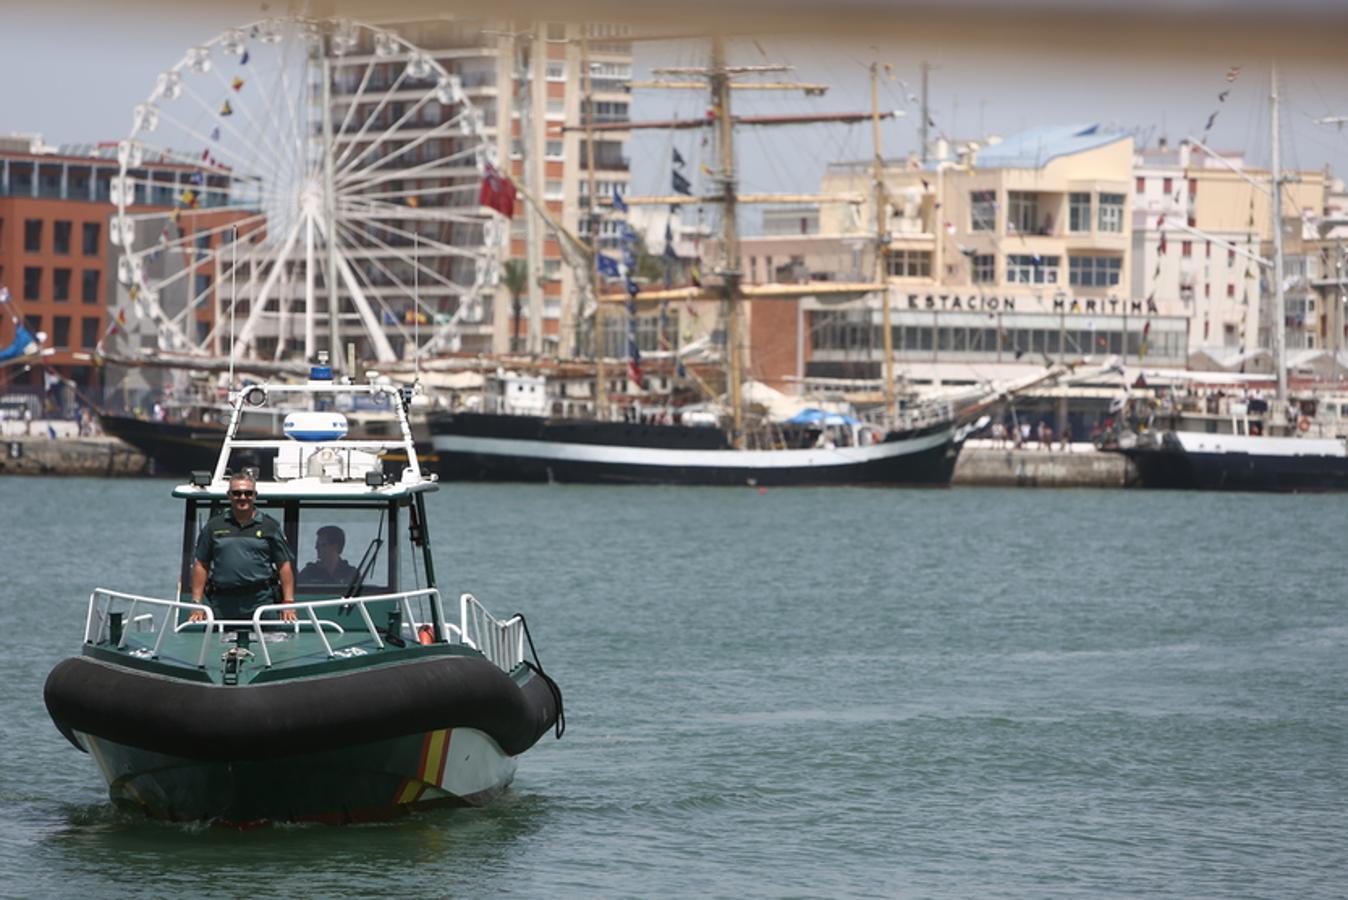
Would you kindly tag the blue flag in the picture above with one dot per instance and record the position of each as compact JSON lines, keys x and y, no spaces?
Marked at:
{"x":608,"y":266}
{"x":678,"y":158}
{"x":669,"y":253}
{"x":629,"y":235}
{"x":619,"y":204}
{"x":681,"y":185}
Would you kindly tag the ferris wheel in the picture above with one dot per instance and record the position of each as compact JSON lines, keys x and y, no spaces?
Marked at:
{"x":299,"y":185}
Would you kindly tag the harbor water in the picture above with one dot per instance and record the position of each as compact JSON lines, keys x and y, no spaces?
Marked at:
{"x":955,"y":693}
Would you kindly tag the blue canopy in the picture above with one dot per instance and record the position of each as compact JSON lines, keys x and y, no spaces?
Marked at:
{"x":814,"y":416}
{"x":23,"y":342}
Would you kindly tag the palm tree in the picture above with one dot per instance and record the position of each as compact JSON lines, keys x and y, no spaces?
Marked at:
{"x":516,"y":276}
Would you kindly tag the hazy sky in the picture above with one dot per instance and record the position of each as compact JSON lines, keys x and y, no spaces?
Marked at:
{"x":75,"y":76}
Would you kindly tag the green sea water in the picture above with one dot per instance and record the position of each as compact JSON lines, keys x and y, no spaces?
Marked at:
{"x":962,"y":693}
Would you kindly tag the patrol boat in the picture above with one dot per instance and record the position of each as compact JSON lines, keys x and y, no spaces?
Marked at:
{"x":369,"y":704}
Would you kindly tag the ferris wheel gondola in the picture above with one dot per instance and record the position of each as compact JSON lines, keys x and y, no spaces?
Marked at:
{"x":299,"y":185}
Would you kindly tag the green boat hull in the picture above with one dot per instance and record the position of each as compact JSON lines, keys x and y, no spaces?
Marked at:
{"x":368,"y":782}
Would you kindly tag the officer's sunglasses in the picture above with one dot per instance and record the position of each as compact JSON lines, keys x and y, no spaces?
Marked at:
{"x":242,"y":493}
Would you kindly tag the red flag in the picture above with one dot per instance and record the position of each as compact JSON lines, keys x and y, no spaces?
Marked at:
{"x":497,"y":192}
{"x":634,"y":372}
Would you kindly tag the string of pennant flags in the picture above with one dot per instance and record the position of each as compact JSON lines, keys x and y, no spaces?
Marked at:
{"x":189,"y":198}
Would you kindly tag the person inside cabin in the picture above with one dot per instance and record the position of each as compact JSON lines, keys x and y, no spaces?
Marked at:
{"x":330,"y":567}
{"x":242,"y":559}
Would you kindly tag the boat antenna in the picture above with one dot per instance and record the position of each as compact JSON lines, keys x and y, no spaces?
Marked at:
{"x":233,"y":295}
{"x":416,"y":306}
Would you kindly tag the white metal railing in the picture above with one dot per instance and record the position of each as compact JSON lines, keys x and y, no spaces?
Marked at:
{"x":98,"y":620}
{"x":502,"y":642}
{"x":161,"y":618}
{"x":410,"y":626}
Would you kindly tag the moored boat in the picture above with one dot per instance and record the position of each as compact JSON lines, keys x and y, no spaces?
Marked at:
{"x":368,"y":704}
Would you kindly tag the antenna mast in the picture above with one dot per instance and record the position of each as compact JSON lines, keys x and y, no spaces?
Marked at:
{"x":882,"y":243}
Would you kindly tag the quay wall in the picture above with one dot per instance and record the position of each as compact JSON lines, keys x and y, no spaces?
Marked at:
{"x":985,"y":463}
{"x":90,"y":456}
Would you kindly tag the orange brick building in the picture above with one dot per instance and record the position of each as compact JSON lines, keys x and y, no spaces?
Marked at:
{"x":54,"y":254}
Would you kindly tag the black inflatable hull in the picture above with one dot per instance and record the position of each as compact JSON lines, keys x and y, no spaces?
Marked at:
{"x":361,"y":745}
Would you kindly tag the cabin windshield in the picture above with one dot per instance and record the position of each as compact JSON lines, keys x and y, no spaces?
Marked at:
{"x":341,"y":550}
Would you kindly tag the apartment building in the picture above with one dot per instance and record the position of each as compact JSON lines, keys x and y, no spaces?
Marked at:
{"x":1203,"y":239}
{"x":529,"y":80}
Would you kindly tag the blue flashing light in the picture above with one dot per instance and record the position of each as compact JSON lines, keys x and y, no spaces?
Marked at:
{"x":320,"y":373}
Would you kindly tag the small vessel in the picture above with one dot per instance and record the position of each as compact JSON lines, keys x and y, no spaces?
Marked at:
{"x":1246,"y":444}
{"x":368,"y":704}
{"x":1239,"y":446}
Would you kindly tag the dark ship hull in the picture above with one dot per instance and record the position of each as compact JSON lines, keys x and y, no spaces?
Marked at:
{"x":492,"y":447}
{"x":1192,"y":461}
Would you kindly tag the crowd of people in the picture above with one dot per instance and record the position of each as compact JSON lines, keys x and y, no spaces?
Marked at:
{"x":1024,"y":435}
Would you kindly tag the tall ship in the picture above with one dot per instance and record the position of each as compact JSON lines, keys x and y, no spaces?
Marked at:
{"x":353,"y":693}
{"x":716,"y":442}
{"x":1245,"y":443}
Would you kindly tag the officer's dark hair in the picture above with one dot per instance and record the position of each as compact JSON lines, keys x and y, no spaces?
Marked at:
{"x":331,"y":534}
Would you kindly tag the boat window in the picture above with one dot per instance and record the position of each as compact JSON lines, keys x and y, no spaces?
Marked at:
{"x":339,"y":550}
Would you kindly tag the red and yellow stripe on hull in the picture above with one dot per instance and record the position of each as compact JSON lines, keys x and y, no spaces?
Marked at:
{"x":430,"y":767}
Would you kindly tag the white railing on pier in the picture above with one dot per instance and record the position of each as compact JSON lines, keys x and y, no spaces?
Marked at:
{"x":502,"y":642}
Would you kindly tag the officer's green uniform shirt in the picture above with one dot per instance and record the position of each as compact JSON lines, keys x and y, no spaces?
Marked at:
{"x":241,"y":559}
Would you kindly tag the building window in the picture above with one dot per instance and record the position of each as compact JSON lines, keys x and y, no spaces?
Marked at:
{"x":1111,"y":212}
{"x":89,"y":285}
{"x":60,"y":327}
{"x":1079,"y":212}
{"x":1230,"y":290}
{"x":91,"y":235}
{"x":983,"y":211}
{"x":61,"y":237}
{"x":556,"y":70}
{"x":984,"y":269}
{"x":1022,"y":213}
{"x":32,"y":235}
{"x":1141,"y":187}
{"x":552,"y":189}
{"x":1186,"y":249}
{"x":556,"y":31}
{"x":1230,"y":258}
{"x":201,"y":285}
{"x":1094,"y":271}
{"x":1193,"y":187}
{"x":1168,"y":185}
{"x":88,"y":332}
{"x":32,"y":282}
{"x":60,"y":285}
{"x":556,"y":107}
{"x":553,"y":150}
{"x":910,"y":263}
{"x":1032,"y":269}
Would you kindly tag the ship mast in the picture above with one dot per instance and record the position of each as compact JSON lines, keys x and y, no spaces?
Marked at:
{"x":597,"y":341}
{"x":730,"y":274}
{"x":1279,"y":301}
{"x":882,"y":244}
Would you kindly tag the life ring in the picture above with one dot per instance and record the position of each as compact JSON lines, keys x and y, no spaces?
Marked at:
{"x":1303,"y":424}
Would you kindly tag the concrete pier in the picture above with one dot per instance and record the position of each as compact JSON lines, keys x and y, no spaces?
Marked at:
{"x":990,"y":464}
{"x":90,"y":456}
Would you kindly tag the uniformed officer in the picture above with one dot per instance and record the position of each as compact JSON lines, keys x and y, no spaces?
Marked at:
{"x":240,"y":558}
